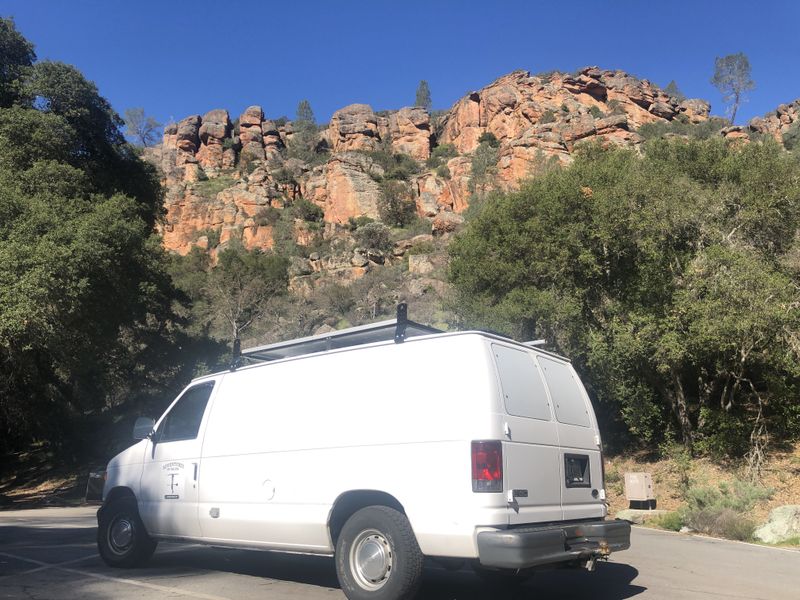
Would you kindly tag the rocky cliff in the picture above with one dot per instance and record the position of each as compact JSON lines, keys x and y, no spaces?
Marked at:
{"x":221,"y":175}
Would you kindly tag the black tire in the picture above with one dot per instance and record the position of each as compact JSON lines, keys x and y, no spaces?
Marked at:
{"x":393,"y":569}
{"x":122,"y":539}
{"x":501,"y":578}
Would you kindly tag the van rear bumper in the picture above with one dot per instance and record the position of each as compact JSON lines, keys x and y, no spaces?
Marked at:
{"x":531,"y":546}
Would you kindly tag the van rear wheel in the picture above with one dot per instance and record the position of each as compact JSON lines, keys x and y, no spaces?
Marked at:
{"x":121,"y":537}
{"x":377,"y":556}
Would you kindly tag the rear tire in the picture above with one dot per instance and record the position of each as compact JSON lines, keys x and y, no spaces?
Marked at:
{"x":122,"y":539}
{"x":377,"y":556}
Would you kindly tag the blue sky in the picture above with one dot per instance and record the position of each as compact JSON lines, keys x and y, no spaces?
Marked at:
{"x":176,"y":58}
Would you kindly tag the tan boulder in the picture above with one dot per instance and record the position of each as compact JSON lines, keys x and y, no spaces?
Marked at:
{"x":271,"y":138}
{"x":354,"y":127}
{"x":410,"y":132}
{"x":186,"y":134}
{"x":215,"y":127}
{"x":778,"y":122}
{"x":446,"y":222}
{"x":695,"y":109}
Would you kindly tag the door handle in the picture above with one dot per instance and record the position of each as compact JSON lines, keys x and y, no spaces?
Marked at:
{"x":194,"y":478}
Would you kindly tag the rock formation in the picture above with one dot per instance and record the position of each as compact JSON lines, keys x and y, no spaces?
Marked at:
{"x":218,"y":177}
{"x":779,"y":122}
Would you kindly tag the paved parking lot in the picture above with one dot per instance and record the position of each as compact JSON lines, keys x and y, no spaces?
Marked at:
{"x":50,"y":554}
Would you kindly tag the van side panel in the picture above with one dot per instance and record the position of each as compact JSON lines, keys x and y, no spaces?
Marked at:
{"x":284,"y":440}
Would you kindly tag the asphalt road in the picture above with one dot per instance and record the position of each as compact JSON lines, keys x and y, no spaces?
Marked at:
{"x":50,"y":554}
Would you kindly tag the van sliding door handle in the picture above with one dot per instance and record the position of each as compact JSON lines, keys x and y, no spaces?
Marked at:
{"x":195,"y":472}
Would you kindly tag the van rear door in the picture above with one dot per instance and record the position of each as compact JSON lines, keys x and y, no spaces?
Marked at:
{"x":531,"y":450}
{"x":582,"y":480}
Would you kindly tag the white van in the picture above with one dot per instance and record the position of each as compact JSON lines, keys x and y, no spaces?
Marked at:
{"x":381,"y":445}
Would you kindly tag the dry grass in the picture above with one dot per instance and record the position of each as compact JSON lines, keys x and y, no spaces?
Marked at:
{"x":781,"y":475}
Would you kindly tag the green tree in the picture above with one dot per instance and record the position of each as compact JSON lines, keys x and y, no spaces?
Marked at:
{"x":140,"y":127}
{"x":674,"y":91}
{"x":396,"y":205}
{"x":484,"y":167}
{"x":732,"y":79}
{"x":86,"y":304}
{"x":423,"y":97}
{"x":304,"y":113}
{"x":305,"y":135}
{"x":670,"y":278}
{"x":240,"y":288}
{"x":16,"y":55}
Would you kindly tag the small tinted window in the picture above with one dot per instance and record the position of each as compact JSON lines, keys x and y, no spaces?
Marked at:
{"x":183,"y":420}
{"x":523,"y":390}
{"x":565,"y":392}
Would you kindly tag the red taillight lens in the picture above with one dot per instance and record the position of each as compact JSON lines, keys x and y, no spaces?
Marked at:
{"x":487,"y":466}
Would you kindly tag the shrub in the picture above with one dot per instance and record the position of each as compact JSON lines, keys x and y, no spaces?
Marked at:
{"x":487,"y":137}
{"x":791,"y":139}
{"x":443,"y":171}
{"x":596,"y":112}
{"x":672,"y":521}
{"x":360,"y":221}
{"x":213,"y":236}
{"x":395,"y":205}
{"x":440,"y":155}
{"x":682,"y":126}
{"x":484,"y":168}
{"x":373,"y":236}
{"x":548,"y":116}
{"x":425,"y":247}
{"x":338,"y":298}
{"x":209,"y":188}
{"x":395,"y":165}
{"x":268,"y":215}
{"x":306,"y":210}
{"x":718,"y":511}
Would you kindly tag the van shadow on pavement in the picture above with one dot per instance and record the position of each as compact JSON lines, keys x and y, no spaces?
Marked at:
{"x":610,"y":581}
{"x":51,"y":545}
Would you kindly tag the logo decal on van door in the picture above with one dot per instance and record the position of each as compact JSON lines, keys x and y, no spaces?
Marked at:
{"x":173,"y":480}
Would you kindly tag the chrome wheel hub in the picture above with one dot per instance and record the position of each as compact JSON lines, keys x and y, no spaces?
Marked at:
{"x":371,"y":559}
{"x":120,"y":535}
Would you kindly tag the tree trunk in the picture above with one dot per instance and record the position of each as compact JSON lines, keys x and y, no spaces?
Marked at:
{"x":677,"y":400}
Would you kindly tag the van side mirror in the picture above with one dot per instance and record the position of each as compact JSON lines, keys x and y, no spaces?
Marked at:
{"x":143,"y":428}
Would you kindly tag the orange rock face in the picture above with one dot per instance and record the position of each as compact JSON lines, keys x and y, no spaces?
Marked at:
{"x":537,"y":121}
{"x":515,"y":104}
{"x":344,"y":188}
{"x":410,"y":132}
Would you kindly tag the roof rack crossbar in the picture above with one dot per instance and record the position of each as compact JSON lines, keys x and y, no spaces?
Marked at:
{"x":398,"y":329}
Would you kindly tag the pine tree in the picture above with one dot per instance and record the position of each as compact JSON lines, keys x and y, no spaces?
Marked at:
{"x":423,"y":96}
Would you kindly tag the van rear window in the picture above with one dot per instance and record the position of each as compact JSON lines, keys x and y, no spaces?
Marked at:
{"x":523,"y":390}
{"x":565,"y":392}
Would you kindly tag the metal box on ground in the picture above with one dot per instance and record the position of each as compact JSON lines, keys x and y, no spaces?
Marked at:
{"x":639,"y":490}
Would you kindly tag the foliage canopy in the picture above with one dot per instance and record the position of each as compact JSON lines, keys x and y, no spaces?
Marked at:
{"x":671,"y":279}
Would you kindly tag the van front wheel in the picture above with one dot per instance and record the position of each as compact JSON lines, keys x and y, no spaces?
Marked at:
{"x":377,"y":556}
{"x":121,"y":537}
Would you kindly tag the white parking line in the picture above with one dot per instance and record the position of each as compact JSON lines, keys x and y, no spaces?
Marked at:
{"x":152,"y":586}
{"x":55,"y":565}
{"x":61,"y":567}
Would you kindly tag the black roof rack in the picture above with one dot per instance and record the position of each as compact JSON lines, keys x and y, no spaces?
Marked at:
{"x":394,"y":329}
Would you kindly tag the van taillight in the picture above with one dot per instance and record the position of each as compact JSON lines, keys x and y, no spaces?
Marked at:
{"x":487,"y":466}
